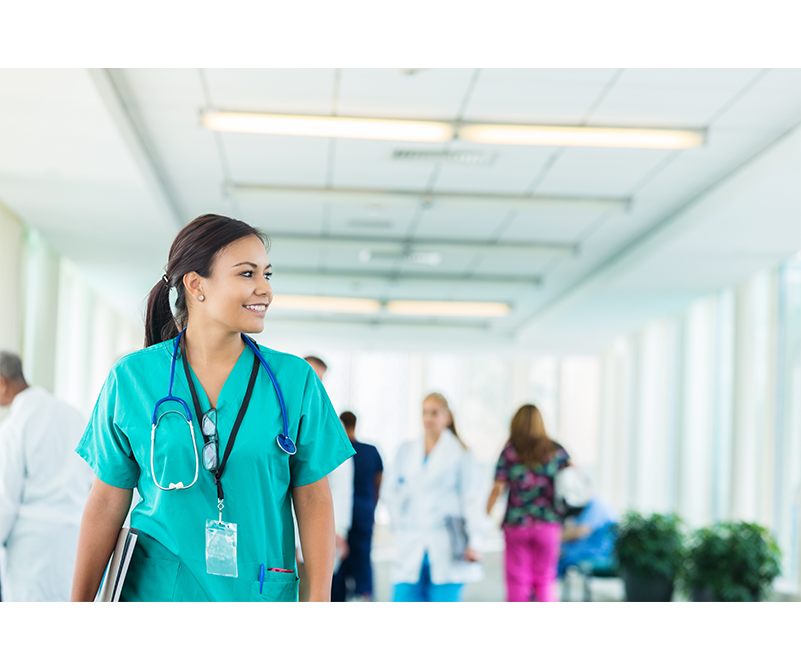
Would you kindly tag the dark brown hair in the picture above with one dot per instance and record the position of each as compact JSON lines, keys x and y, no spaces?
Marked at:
{"x":193,"y":250}
{"x":529,"y":438}
{"x":348,"y":420}
{"x":316,"y":361}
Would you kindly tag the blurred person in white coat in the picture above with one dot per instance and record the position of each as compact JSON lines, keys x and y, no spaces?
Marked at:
{"x":43,"y":488}
{"x":341,"y":483}
{"x":431,"y":479}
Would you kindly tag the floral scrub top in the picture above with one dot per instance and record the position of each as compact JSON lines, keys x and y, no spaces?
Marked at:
{"x":531,"y":488}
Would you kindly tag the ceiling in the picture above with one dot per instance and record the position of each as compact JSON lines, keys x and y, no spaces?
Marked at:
{"x":109,"y":164}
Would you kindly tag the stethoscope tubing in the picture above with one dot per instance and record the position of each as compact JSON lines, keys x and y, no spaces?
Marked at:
{"x":283,"y":440}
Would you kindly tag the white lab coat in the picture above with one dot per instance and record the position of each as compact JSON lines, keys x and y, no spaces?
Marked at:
{"x":419,"y":495}
{"x":43,"y":488}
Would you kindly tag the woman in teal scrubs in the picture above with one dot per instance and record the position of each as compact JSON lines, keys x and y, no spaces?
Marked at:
{"x":220,"y":271}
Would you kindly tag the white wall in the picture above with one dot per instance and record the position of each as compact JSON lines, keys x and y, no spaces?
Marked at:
{"x":699,"y":411}
{"x":11,"y":235}
{"x":67,"y":337}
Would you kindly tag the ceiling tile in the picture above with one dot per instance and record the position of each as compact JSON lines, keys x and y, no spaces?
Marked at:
{"x":429,"y":94}
{"x":370,"y":220}
{"x":548,"y":226}
{"x":599,"y":172}
{"x":276,"y":160}
{"x":275,"y":218}
{"x":461,"y":223}
{"x":673,"y":98}
{"x":280,"y":91}
{"x":512,"y":169}
{"x":536,"y":96}
{"x":370,"y":165}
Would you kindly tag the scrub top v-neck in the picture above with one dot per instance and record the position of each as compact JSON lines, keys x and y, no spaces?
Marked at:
{"x":169,"y":561}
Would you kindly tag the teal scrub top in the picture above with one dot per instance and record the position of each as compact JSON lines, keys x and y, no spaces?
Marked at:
{"x":169,"y":562}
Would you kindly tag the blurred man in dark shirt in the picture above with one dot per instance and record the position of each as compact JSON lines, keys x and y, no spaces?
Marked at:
{"x":354,"y":579}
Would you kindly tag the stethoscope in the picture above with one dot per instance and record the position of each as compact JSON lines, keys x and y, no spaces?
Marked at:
{"x":283,"y":441}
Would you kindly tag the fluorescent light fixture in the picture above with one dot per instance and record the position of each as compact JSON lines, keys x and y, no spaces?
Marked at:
{"x":404,"y":130}
{"x":439,"y":308}
{"x":328,"y":126}
{"x":442,"y":281}
{"x":371,"y":198}
{"x":420,"y":251}
{"x":581,"y":136}
{"x":313,"y":303}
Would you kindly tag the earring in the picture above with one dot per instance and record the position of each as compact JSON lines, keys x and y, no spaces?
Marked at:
{"x":201,"y":297}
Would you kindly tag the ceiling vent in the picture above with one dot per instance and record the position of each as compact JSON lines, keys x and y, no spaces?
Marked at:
{"x":428,"y":258}
{"x":370,"y":224}
{"x":468,"y":158}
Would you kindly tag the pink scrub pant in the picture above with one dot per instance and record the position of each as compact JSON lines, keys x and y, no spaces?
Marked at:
{"x":531,"y":558}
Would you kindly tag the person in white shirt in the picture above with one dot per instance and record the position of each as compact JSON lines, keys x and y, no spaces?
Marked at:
{"x":430,"y":479}
{"x":43,"y":488}
{"x":341,"y":483}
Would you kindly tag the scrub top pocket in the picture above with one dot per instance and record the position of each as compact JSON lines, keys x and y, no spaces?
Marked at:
{"x":279,"y":587}
{"x":150,"y":580}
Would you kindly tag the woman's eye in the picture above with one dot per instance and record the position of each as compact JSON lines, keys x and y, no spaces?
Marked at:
{"x":249,"y":274}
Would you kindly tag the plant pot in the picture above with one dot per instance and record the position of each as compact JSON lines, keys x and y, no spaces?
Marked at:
{"x":647,"y":588}
{"x":703,"y":594}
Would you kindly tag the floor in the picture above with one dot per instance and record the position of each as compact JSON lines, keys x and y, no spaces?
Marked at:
{"x":492,"y":588}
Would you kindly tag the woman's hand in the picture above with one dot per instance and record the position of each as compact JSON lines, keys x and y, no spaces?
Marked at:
{"x":471,"y":555}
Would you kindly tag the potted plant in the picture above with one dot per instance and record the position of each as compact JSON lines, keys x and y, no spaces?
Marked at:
{"x":731,"y":561}
{"x":650,"y":551}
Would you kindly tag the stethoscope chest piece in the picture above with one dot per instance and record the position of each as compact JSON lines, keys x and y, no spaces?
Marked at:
{"x":286,"y":444}
{"x":187,"y":417}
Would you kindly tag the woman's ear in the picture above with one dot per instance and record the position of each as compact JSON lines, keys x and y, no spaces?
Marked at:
{"x":193,"y":284}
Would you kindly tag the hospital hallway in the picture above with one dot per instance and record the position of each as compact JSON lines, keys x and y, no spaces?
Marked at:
{"x":499,"y":277}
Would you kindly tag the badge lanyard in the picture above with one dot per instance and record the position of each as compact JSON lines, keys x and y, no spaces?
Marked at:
{"x":220,"y":536}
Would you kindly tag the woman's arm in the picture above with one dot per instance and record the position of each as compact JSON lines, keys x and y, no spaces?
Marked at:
{"x":497,"y":489}
{"x":103,"y":516}
{"x":471,"y":493}
{"x":379,"y":475}
{"x":314,"y":509}
{"x":574,"y":532}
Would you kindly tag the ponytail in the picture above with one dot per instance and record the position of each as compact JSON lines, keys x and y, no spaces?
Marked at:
{"x":159,"y":322}
{"x":452,"y":428}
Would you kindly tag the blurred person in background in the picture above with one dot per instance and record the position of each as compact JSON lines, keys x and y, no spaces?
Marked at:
{"x":528,"y":466}
{"x":43,"y":488}
{"x":588,"y":538}
{"x":434,"y":480}
{"x":341,"y":484}
{"x":355,"y":576}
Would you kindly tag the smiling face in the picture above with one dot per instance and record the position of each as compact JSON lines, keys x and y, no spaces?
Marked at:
{"x":237,"y":293}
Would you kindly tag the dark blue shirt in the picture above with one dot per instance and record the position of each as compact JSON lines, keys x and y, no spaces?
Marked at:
{"x":366,"y":465}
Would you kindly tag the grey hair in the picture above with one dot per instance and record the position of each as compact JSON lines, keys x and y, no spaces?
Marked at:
{"x":11,"y":367}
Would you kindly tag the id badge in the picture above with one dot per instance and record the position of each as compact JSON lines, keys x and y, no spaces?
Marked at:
{"x":221,"y":548}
